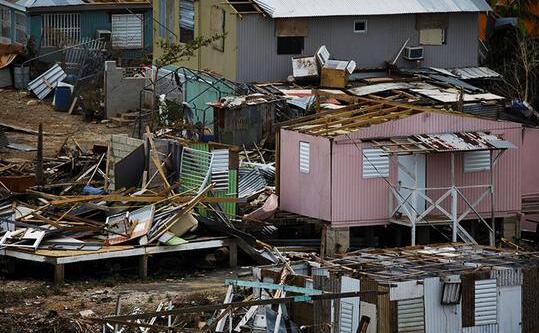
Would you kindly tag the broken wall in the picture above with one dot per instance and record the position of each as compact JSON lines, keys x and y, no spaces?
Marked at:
{"x":122,"y":91}
{"x":121,"y":146}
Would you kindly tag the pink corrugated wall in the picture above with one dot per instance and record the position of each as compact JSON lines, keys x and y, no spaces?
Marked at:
{"x":357,"y":201}
{"x":507,"y":187}
{"x":530,"y":161}
{"x":530,"y":175}
{"x":305,"y":194}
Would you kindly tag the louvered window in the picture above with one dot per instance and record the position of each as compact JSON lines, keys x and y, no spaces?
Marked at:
{"x":219,"y":169}
{"x":375,"y":163}
{"x":477,"y":161}
{"x":5,"y":25}
{"x":411,"y":315}
{"x":187,"y":21}
{"x":485,"y":302}
{"x":20,"y":28}
{"x":60,"y":30}
{"x":127,"y":31}
{"x":304,"y":156}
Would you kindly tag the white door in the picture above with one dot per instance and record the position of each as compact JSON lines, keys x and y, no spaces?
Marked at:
{"x":509,"y":309}
{"x":411,"y":174}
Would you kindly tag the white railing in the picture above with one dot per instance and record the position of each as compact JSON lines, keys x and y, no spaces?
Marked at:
{"x":406,"y":204}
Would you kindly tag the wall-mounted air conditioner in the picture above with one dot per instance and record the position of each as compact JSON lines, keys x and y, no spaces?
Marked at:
{"x":104,"y":35}
{"x":413,"y":53}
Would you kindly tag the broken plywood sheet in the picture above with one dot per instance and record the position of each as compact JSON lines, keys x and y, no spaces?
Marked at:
{"x":185,"y":224}
{"x":23,"y":238}
{"x":130,"y":225}
{"x":445,"y":96}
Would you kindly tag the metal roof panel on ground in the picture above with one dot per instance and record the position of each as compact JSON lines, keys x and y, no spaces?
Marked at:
{"x":47,"y":82}
{"x":310,"y":8}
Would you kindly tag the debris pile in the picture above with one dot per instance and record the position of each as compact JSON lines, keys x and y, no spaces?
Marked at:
{"x":130,"y":194}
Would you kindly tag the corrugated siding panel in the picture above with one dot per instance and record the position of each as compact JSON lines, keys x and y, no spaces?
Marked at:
{"x":485,"y":302}
{"x":506,"y":277}
{"x":440,"y":318}
{"x":357,"y":200}
{"x":305,"y":193}
{"x":411,"y":315}
{"x":529,"y":155}
{"x":491,"y":328}
{"x":257,"y":45}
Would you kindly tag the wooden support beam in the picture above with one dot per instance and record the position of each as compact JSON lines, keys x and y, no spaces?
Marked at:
{"x":143,"y":267}
{"x":59,"y":273}
{"x":233,"y":253}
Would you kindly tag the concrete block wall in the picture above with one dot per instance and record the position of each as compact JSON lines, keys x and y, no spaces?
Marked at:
{"x":122,"y":94}
{"x":121,"y":145}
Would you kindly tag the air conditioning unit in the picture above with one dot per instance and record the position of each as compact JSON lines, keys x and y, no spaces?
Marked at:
{"x":104,"y":35}
{"x":413,"y":53}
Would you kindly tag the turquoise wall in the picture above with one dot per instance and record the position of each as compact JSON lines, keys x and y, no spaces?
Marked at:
{"x":91,"y":21}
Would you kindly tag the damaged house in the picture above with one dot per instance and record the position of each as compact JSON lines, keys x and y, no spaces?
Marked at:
{"x":377,"y":162}
{"x":125,"y":26}
{"x":263,"y":35}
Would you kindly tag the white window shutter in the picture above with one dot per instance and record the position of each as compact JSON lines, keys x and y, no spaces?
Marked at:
{"x":219,"y":169}
{"x":485,"y":302}
{"x":127,"y":31}
{"x":304,"y":157}
{"x":375,"y":163}
{"x":477,"y":161}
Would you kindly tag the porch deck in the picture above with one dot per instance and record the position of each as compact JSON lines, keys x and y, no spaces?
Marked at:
{"x":59,"y":258}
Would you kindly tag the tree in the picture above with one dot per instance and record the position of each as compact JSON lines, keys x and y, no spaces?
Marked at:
{"x":176,"y":52}
{"x":515,"y":55}
{"x":514,"y":51}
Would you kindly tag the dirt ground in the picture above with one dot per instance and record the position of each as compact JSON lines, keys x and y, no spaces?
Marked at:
{"x":37,"y":306}
{"x":21,"y":109}
{"x":34,"y":304}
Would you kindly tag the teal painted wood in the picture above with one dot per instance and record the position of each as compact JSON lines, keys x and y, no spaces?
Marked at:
{"x":90,"y":22}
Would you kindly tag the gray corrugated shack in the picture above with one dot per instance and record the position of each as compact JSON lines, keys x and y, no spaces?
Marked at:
{"x":369,"y":32}
{"x":244,"y":120}
{"x":442,"y":288}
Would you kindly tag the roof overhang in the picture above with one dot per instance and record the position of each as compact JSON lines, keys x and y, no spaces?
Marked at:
{"x":90,"y":6}
{"x":322,"y":8}
{"x":441,"y":143}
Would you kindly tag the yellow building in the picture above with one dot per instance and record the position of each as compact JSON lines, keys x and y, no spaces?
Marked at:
{"x":183,"y":20}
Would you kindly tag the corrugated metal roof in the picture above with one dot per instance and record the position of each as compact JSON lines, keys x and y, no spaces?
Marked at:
{"x":47,"y":82}
{"x":53,"y":3}
{"x":309,"y":8}
{"x":469,"y":73}
{"x":444,"y":142}
{"x":60,"y":3}
{"x":16,"y":4}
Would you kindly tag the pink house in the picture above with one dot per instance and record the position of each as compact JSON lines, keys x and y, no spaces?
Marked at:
{"x":530,"y":180}
{"x":381,"y":162}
